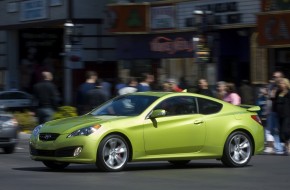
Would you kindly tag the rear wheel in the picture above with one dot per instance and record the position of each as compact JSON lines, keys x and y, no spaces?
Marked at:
{"x":113,"y":153}
{"x":55,"y":165}
{"x":238,"y":150}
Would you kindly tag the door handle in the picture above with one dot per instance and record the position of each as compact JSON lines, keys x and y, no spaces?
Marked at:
{"x":196,"y":122}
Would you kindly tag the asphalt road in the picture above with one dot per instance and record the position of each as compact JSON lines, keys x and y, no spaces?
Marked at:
{"x":18,"y":172}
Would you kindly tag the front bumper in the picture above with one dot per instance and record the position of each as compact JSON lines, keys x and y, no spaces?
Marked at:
{"x":63,"y":149}
{"x":8,"y":137}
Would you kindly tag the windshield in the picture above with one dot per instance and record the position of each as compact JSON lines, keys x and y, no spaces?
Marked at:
{"x":127,"y":105}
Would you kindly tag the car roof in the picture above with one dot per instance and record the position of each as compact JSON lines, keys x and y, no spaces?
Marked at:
{"x":161,"y":94}
{"x":151,"y":93}
{"x":9,"y":91}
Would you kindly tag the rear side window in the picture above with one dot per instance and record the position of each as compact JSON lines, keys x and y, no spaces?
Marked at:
{"x":180,"y":105}
{"x":206,"y":106}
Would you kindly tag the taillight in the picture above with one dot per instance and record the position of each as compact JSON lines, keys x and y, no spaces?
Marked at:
{"x":256,"y":118}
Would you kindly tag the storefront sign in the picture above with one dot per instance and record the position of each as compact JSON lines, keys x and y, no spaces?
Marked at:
{"x":33,"y":10}
{"x":163,"y":17}
{"x":128,"y":18}
{"x":170,"y":46}
{"x":76,"y":56}
{"x":12,"y":7}
{"x":224,"y":12}
{"x":275,"y":5}
{"x":219,"y":12}
{"x":274,"y":29}
{"x":155,"y":46}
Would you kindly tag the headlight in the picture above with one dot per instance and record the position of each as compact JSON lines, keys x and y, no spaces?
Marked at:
{"x":10,"y":123}
{"x":84,"y":131}
{"x":36,"y":130}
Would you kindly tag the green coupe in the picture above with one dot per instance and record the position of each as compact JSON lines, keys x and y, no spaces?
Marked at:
{"x":151,"y":126}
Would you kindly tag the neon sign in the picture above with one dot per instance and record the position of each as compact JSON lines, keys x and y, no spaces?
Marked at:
{"x":170,"y":46}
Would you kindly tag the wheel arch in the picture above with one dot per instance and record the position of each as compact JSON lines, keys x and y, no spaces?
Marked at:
{"x":245,"y":131}
{"x":126,"y":139}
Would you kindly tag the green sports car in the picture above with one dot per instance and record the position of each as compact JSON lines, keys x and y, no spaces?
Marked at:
{"x":151,"y":126}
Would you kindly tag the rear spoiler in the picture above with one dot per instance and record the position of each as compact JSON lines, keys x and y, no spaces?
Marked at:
{"x":254,"y":109}
{"x":251,"y":108}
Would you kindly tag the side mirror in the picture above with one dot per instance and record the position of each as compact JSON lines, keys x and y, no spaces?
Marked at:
{"x":157,"y":113}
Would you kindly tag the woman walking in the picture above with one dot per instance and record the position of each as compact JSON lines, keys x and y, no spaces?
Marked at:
{"x":281,"y":105}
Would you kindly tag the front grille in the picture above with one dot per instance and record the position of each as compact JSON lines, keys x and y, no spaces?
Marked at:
{"x":48,"y":136}
{"x":63,"y":152}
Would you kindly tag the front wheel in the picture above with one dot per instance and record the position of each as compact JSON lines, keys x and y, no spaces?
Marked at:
{"x":55,"y":165}
{"x":237,"y":150}
{"x":113,"y":153}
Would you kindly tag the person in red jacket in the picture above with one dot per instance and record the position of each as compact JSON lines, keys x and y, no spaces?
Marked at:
{"x":173,"y":84}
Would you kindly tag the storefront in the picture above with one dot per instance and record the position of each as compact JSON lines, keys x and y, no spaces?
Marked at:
{"x":156,"y":34}
{"x":65,"y":37}
{"x":274,"y":35}
{"x":163,"y":54}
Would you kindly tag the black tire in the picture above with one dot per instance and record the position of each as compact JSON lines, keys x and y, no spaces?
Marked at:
{"x":55,"y":165}
{"x":113,"y":154}
{"x":238,"y":150}
{"x":179,"y":162}
{"x":9,"y":149}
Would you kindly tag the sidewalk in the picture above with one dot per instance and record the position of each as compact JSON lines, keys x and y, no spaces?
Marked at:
{"x":23,"y":135}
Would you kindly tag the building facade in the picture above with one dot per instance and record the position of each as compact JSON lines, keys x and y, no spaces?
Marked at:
{"x":66,"y":37}
{"x":231,"y":40}
{"x":162,"y":39}
{"x":273,"y":28}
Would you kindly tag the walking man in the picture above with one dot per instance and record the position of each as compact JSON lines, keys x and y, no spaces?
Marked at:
{"x":48,"y":97}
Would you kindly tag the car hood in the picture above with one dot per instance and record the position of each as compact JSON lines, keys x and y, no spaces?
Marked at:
{"x":71,"y":124}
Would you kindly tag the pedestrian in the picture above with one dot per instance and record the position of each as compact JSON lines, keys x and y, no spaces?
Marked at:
{"x":119,"y":84}
{"x":130,"y":88}
{"x":107,"y":87}
{"x":166,"y":87}
{"x":221,"y":90}
{"x":146,"y":80}
{"x":183,"y":84}
{"x":173,"y":87}
{"x":95,"y":97}
{"x":48,"y":97}
{"x":203,"y":88}
{"x":89,"y":84}
{"x":262,"y":102}
{"x":231,"y":95}
{"x":246,"y":92}
{"x":281,"y":105}
{"x":272,"y":117}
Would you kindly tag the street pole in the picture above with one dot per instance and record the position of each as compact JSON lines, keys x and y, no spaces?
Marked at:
{"x":202,"y":50}
{"x":67,"y":63}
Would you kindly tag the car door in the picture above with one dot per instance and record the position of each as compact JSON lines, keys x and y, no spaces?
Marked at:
{"x":180,"y":131}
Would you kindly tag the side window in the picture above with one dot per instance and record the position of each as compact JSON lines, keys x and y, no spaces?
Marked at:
{"x":3,"y":96}
{"x":17,"y":95}
{"x":206,"y":106}
{"x":178,"y":105}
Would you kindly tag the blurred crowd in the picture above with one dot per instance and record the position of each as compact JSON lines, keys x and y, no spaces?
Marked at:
{"x":273,"y":98}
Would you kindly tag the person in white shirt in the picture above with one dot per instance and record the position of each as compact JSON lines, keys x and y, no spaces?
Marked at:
{"x":130,"y":88}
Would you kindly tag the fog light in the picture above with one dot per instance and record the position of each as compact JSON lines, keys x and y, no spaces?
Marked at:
{"x":78,"y":151}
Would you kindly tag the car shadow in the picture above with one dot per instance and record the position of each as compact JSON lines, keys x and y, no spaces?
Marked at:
{"x":88,"y":168}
